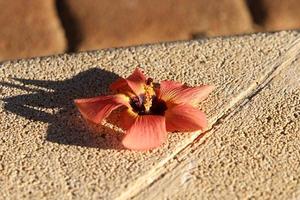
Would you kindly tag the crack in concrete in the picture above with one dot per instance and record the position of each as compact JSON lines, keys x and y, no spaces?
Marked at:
{"x":237,"y":104}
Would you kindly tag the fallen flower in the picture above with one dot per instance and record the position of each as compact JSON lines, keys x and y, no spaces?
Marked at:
{"x":150,"y":111}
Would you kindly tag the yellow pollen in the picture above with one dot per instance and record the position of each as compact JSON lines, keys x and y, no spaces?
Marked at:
{"x":149,"y":93}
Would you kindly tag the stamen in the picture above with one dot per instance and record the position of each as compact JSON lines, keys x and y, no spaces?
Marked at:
{"x":149,"y":93}
{"x":148,"y":103}
{"x":149,"y":81}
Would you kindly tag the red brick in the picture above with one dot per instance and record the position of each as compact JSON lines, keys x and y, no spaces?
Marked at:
{"x":281,"y":14}
{"x":106,"y":23}
{"x":29,"y":28}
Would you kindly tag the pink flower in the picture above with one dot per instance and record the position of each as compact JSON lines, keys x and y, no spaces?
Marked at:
{"x":150,"y":111}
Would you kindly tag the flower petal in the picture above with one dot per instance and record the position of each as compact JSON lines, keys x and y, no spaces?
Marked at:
{"x":127,"y":118}
{"x":135,"y":83}
{"x":184,"y":117}
{"x":97,"y":108}
{"x":176,"y":92}
{"x":148,"y":132}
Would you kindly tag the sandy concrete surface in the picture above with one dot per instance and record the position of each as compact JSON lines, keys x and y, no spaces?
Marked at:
{"x":47,"y":151}
{"x":253,"y":154}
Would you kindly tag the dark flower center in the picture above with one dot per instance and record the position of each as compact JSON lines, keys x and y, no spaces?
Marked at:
{"x":158,"y":106}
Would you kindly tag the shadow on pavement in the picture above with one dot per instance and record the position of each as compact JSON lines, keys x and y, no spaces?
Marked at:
{"x":65,"y":126}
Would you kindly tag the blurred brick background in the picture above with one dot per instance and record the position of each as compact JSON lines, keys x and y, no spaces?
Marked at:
{"x":43,"y":27}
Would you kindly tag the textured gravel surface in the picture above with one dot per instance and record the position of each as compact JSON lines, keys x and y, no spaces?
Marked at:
{"x":253,"y":154}
{"x":47,"y":151}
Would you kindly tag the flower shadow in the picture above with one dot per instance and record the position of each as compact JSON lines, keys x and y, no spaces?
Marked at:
{"x":43,"y":98}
